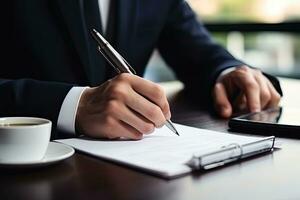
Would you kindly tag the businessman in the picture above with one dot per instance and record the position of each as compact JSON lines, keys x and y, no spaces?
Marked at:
{"x":51,"y":68}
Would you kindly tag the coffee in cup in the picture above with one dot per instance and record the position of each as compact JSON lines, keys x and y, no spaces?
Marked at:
{"x":23,"y":139}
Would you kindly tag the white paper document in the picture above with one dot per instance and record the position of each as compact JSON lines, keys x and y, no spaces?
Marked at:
{"x":169,"y":155}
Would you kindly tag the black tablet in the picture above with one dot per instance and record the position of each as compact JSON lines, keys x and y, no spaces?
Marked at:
{"x":281,"y":121}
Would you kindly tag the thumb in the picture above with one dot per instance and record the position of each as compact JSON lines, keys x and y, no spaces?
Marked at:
{"x":221,"y":101}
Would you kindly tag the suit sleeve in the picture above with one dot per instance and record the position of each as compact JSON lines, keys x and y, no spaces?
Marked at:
{"x":188,"y":48}
{"x":26,"y":97}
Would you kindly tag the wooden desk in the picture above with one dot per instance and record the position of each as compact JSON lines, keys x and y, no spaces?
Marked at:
{"x":272,"y":176}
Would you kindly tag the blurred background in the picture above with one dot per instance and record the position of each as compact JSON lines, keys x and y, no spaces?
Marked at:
{"x":263,"y":33}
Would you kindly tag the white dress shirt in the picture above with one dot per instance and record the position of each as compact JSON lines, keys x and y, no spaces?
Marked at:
{"x":68,"y":110}
{"x":67,"y":114}
{"x":104,"y":12}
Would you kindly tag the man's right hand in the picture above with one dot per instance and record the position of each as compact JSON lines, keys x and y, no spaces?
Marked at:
{"x":125,"y":106}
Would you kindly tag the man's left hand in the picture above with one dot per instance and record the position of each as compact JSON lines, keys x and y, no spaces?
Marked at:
{"x":244,"y":89}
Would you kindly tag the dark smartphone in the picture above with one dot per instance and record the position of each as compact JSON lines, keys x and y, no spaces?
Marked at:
{"x":280,"y":121}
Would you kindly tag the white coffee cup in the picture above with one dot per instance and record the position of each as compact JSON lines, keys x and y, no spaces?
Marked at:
{"x":23,"y":139}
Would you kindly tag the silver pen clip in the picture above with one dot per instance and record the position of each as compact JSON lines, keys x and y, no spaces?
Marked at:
{"x":108,"y":60}
{"x":129,"y":68}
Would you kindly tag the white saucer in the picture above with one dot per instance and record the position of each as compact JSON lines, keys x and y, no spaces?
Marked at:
{"x":55,"y":152}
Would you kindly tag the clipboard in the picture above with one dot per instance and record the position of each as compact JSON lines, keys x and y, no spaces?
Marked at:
{"x":167,"y":155}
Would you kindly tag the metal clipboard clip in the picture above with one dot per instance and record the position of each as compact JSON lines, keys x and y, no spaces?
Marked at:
{"x":230,"y":153}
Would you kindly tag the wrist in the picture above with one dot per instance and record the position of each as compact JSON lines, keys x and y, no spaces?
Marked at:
{"x":226,"y":71}
{"x":83,"y":102}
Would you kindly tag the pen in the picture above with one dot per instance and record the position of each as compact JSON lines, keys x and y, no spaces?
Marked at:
{"x":119,"y":63}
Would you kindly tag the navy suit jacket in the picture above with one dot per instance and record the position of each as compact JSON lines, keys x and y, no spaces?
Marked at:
{"x":47,"y":50}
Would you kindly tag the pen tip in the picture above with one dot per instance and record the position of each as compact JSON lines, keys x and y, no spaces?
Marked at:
{"x":177,"y":133}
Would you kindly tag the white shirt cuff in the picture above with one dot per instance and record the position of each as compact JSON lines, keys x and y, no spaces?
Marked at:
{"x":226,"y":71}
{"x":68,"y":110}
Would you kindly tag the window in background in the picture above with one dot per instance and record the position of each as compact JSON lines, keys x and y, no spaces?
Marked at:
{"x":275,"y":52}
{"x":268,"y":11}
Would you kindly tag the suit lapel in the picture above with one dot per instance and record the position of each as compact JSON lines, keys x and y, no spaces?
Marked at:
{"x":126,"y":24}
{"x":73,"y":16}
{"x":72,"y":12}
